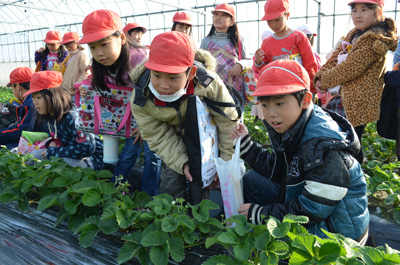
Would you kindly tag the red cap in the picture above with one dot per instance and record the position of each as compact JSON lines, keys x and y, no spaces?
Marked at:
{"x":20,"y":75}
{"x":171,"y":52}
{"x":380,"y":3}
{"x":52,"y":36}
{"x":226,"y":9}
{"x":69,"y":37}
{"x":182,"y":17}
{"x":100,"y":24}
{"x":44,"y":80}
{"x":282,"y":77}
{"x":275,"y":8}
{"x":130,"y":26}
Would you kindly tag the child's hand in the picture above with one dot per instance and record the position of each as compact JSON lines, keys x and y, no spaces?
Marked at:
{"x":396,"y":67}
{"x":186,"y":172}
{"x":239,"y":130}
{"x":260,"y":55}
{"x":44,"y":153}
{"x":53,"y":144}
{"x":138,"y":136}
{"x":244,"y":209}
{"x":40,"y":50}
{"x":82,"y":91}
{"x":236,"y":70}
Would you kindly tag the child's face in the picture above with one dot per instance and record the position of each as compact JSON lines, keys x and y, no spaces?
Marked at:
{"x":282,"y":112}
{"x":184,"y":28}
{"x":362,"y":16}
{"x":39,"y":103}
{"x":136,"y":36}
{"x":107,"y":50}
{"x":53,"y":47}
{"x":278,"y":24}
{"x":16,"y":89}
{"x":166,"y":83}
{"x":71,"y":46}
{"x":222,"y":21}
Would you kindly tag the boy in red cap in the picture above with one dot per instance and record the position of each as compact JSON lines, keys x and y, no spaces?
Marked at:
{"x":134,"y":33}
{"x":312,"y":170}
{"x":285,"y":43}
{"x":20,"y":79}
{"x":163,"y":87}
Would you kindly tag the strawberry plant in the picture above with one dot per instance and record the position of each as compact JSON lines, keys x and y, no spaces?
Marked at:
{"x":5,"y":94}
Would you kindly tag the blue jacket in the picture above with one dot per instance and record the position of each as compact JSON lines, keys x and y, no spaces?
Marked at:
{"x":392,"y":79}
{"x":26,"y":121}
{"x":74,"y":144}
{"x":318,"y":176}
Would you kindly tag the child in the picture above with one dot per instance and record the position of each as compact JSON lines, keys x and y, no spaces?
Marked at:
{"x":20,"y":79}
{"x":361,"y":74}
{"x":54,"y":52}
{"x":225,"y":44}
{"x":163,"y":87}
{"x":312,"y":170}
{"x":134,"y":33}
{"x":182,"y":22}
{"x":77,"y":65}
{"x":286,"y":43}
{"x":53,"y":104}
{"x":310,"y":36}
{"x":112,"y":60}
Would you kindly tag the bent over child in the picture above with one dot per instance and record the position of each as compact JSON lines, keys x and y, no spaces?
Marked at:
{"x":312,"y":170}
{"x":160,"y":101}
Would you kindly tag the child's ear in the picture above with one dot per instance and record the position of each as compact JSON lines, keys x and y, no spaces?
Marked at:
{"x":192,"y":73}
{"x":287,"y":15}
{"x":123,"y":38}
{"x":307,"y":100}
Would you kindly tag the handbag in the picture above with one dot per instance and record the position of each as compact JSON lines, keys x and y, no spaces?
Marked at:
{"x":230,"y":175}
{"x":30,"y":141}
{"x":105,"y":112}
{"x":249,"y":78}
{"x":387,"y":124}
{"x":61,"y":67}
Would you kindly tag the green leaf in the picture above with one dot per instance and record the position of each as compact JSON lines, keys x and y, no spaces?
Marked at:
{"x":262,"y":241}
{"x":91,"y":197}
{"x":212,"y":222}
{"x":163,"y":207}
{"x":329,"y":252}
{"x":88,"y":234}
{"x":108,"y":226}
{"x":125,"y":217}
{"x":8,"y":197}
{"x":210,"y":241}
{"x":168,"y":224}
{"x":305,"y":243}
{"x":204,"y":228}
{"x":201,"y":211}
{"x":47,"y":202}
{"x":371,"y":256}
{"x":144,"y":256}
{"x":23,"y":204}
{"x":185,"y":221}
{"x":109,"y":212}
{"x":228,"y":238}
{"x":189,"y":236}
{"x":242,"y":227}
{"x":278,"y":247}
{"x":396,"y":215}
{"x":61,"y":182}
{"x":221,"y":259}
{"x":71,"y":205}
{"x":156,"y":238}
{"x":176,"y":249}
{"x":127,"y":252}
{"x":269,"y":258}
{"x":62,"y":214}
{"x":134,"y":237}
{"x":159,"y":255}
{"x":83,"y":186}
{"x":299,"y":219}
{"x":277,"y":229}
{"x":394,"y":258}
{"x":104,"y":174}
{"x":242,"y":251}
{"x":300,"y":257}
{"x":75,"y":221}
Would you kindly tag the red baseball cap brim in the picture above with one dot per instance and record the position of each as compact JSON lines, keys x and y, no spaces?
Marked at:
{"x":276,"y":90}
{"x":95,"y":36}
{"x":380,"y":3}
{"x":44,"y":80}
{"x":188,"y":22}
{"x":165,"y":68}
{"x":272,"y":16}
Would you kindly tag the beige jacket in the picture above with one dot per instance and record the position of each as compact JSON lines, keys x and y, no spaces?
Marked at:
{"x":360,"y":75}
{"x":162,"y":127}
{"x":76,"y":69}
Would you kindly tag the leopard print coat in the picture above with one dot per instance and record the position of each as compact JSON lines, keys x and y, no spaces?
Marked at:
{"x":360,"y":75}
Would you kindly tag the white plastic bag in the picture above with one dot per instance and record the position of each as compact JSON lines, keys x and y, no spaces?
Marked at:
{"x":230,"y":175}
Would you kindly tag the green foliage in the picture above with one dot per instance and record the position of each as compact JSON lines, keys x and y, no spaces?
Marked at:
{"x":5,"y":94}
{"x":256,"y":129}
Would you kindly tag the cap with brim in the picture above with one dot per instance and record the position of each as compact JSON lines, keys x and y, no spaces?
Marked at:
{"x":70,"y":37}
{"x":44,"y":80}
{"x":130,"y":26}
{"x":275,"y":8}
{"x":380,"y":3}
{"x":225,"y":8}
{"x":182,"y":17}
{"x":52,"y":36}
{"x":282,"y":77}
{"x":100,"y":24}
{"x":20,"y":75}
{"x":171,"y":52}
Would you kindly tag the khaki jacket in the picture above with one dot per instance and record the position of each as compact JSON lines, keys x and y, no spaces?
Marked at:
{"x":360,"y":75}
{"x":163,"y":127}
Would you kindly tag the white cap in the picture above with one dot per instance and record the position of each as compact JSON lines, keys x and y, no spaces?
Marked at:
{"x":266,"y":34}
{"x":304,"y":28}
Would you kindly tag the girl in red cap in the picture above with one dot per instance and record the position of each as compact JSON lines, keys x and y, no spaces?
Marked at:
{"x":182,"y":22}
{"x":54,"y":106}
{"x":225,"y":44}
{"x":53,"y":52}
{"x":77,"y":64}
{"x":361,"y":74}
{"x":112,"y":61}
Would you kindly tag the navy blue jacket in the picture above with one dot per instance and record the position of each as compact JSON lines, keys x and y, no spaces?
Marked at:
{"x":314,"y":165}
{"x":392,"y":79}
{"x":26,"y":121}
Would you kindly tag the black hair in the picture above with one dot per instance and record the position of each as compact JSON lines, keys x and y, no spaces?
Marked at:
{"x":100,"y":71}
{"x":177,"y":23}
{"x":78,"y":45}
{"x":233,"y":34}
{"x":25,"y":85}
{"x":386,"y":26}
{"x":299,"y":95}
{"x":135,"y":29}
{"x":58,"y":102}
{"x":311,"y":39}
{"x":60,"y":52}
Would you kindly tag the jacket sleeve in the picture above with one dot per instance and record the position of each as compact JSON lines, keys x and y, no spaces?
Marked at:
{"x":161,"y":137}
{"x":38,"y":56}
{"x":217,"y":91}
{"x":26,"y":122}
{"x":307,"y":56}
{"x":83,"y":144}
{"x":325,"y":187}
{"x":392,"y":78}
